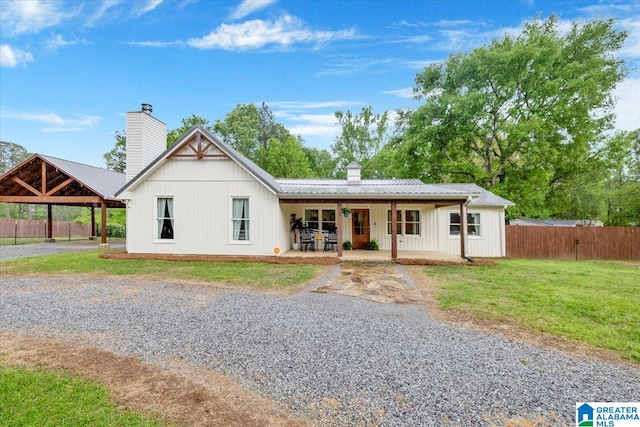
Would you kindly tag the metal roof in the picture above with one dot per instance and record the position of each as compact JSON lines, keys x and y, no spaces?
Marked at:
{"x":487,"y":198}
{"x":103,"y":182}
{"x":404,"y":188}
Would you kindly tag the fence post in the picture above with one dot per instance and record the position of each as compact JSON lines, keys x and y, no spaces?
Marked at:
{"x":15,"y":234}
{"x":69,"y":230}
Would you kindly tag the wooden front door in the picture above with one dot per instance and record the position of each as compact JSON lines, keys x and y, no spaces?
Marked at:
{"x":360,"y":228}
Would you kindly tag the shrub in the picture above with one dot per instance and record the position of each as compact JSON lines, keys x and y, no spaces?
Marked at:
{"x":346,"y":245}
{"x":372,"y":245}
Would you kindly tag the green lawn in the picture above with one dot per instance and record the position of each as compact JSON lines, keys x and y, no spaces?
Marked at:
{"x":54,"y":398}
{"x":593,"y":302}
{"x":262,"y":275}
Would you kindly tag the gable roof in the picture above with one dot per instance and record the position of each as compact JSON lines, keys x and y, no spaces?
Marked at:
{"x":253,"y":169}
{"x":103,"y":182}
{"x":486,"y":198}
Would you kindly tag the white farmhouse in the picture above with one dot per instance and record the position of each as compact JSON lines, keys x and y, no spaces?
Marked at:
{"x":201,"y":196}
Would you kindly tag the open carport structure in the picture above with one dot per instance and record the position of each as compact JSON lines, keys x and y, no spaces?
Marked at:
{"x":51,"y":181}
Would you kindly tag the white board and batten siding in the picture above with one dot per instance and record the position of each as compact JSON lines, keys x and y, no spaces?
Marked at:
{"x":491,"y":241}
{"x":202,"y":192}
{"x":146,"y":140}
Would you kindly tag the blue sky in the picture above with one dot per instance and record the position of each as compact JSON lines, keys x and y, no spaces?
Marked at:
{"x":71,"y":69}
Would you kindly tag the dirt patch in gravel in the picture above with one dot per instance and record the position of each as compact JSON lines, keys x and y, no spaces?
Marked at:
{"x":222,"y":258}
{"x":182,"y":394}
{"x":428,"y":288}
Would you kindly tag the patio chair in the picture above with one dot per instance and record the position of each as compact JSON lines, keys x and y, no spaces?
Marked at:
{"x":330,"y":241}
{"x":307,"y":240}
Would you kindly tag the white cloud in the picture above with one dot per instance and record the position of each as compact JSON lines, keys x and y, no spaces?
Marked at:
{"x":12,"y":57}
{"x":628,"y":107}
{"x":176,"y":43}
{"x":20,"y":17}
{"x":631,"y":47}
{"x":58,"y":41}
{"x":147,"y":7}
{"x":256,"y":34}
{"x":308,"y":105}
{"x":53,"y":122}
{"x":102,"y":11}
{"x":406,"y":92}
{"x":314,"y":125}
{"x":247,"y":7}
{"x":350,"y":65}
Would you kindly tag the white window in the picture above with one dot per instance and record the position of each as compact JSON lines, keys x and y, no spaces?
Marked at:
{"x":329,"y":220}
{"x":409,"y":222}
{"x":398,"y":221}
{"x":320,"y":219}
{"x":240,"y":219}
{"x":164,"y":218}
{"x":311,"y":218}
{"x":473,"y":224}
{"x":412,"y":222}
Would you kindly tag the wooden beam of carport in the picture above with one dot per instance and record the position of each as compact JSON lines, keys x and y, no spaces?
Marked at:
{"x":60,"y":200}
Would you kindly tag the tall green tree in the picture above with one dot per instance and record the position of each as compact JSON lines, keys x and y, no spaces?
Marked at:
{"x":320,"y":161}
{"x":284,"y":159}
{"x":522,"y":116}
{"x":186,"y":124}
{"x":362,"y":138}
{"x":11,"y":154}
{"x":116,"y":158}
{"x":248,"y":128}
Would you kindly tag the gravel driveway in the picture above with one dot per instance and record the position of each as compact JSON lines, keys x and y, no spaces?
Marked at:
{"x":330,"y":358}
{"x":34,"y":249}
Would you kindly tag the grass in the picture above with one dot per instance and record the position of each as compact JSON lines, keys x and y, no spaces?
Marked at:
{"x":261,"y":275}
{"x":54,"y":398}
{"x":592,"y":302}
{"x":6,"y":241}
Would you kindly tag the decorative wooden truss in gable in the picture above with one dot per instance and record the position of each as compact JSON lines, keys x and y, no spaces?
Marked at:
{"x":36,"y":181}
{"x":198,"y":148}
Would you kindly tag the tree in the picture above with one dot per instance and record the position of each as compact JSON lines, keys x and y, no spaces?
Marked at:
{"x":187,"y":124}
{"x":522,"y":116}
{"x":248,"y":128}
{"x":116,"y":159}
{"x":621,"y":192}
{"x":284,"y":159}
{"x":363,"y":136}
{"x":11,"y":154}
{"x":320,"y":161}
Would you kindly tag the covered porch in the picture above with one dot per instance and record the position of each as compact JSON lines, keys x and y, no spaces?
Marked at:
{"x":375,"y":256}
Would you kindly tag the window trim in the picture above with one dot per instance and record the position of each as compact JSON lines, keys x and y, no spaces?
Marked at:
{"x":477,"y":225}
{"x":232,"y":241}
{"x":157,"y":218}
{"x":402,"y":223}
{"x":320,"y":221}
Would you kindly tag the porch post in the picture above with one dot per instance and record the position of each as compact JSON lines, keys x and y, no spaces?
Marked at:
{"x":103,"y":226}
{"x":463,"y":229}
{"x":49,"y":221}
{"x":394,"y":231}
{"x":339,"y":228}
{"x":93,"y":222}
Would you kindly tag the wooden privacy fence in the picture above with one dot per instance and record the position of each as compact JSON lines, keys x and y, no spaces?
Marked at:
{"x":573,"y":243}
{"x":38,"y":228}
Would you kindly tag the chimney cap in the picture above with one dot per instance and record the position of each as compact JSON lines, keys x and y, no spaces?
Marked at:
{"x":147,"y":108}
